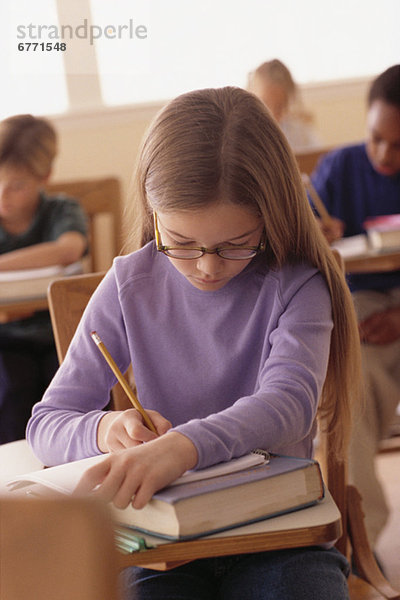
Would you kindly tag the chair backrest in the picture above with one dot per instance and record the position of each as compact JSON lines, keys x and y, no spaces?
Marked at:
{"x":307,"y":161}
{"x":68,"y":297}
{"x":56,"y":548}
{"x":98,"y":197}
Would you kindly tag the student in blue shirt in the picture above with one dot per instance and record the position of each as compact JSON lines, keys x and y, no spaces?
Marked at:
{"x":357,"y":182}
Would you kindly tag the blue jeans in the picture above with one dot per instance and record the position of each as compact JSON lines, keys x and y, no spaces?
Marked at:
{"x":297,"y":574}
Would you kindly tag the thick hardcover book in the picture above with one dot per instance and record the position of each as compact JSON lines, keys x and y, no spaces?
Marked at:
{"x":383,"y":232}
{"x":199,"y":503}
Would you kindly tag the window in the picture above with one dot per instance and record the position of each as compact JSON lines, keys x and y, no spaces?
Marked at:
{"x":32,"y":80}
{"x":198,"y":44}
{"x":149,"y":50}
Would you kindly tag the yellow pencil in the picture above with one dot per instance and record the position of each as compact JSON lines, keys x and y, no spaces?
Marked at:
{"x":122,"y":380}
{"x":319,"y":205}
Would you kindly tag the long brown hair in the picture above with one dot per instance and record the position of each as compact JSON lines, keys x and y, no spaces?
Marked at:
{"x":222,"y":144}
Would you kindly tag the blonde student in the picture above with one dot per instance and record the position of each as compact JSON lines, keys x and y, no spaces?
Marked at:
{"x":273,"y":83}
{"x":234,"y":316}
{"x":36,"y":230}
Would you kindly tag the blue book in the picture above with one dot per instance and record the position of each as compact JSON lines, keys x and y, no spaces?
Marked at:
{"x":279,"y":485}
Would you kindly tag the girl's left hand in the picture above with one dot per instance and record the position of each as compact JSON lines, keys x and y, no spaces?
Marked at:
{"x":135,"y":474}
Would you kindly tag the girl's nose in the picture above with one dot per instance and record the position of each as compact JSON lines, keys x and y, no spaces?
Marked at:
{"x":210,"y":264}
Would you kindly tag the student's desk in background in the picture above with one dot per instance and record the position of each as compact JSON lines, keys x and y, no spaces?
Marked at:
{"x":15,"y":309}
{"x":360,"y":256}
{"x":373,"y":262}
{"x":368,"y":262}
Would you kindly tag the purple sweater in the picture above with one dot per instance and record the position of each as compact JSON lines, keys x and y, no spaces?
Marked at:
{"x":233,"y":369}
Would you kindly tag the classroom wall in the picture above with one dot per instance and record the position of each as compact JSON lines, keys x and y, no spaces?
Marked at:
{"x":105,"y":142}
{"x":339,"y":109}
{"x":99,"y":145}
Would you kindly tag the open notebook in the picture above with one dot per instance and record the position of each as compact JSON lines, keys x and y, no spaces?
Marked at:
{"x":33,"y":283}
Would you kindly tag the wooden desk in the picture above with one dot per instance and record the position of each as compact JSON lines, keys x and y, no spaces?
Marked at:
{"x":315,"y":525}
{"x":308,"y":160}
{"x":373,"y":262}
{"x":18,"y":308}
{"x":56,"y":549}
{"x":25,"y":291}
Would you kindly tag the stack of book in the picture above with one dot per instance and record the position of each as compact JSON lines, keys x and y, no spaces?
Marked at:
{"x":383,"y":232}
{"x":244,"y":490}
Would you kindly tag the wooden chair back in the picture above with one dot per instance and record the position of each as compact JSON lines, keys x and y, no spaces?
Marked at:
{"x":56,"y":548}
{"x":307,"y":161}
{"x":99,"y":198}
{"x":68,"y":298}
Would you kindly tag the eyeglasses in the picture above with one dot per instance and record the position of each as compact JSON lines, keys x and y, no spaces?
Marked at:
{"x":242,"y":253}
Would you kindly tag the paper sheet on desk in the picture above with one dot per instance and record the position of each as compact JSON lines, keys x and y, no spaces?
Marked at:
{"x":51,"y":271}
{"x":354,"y":245}
{"x":64,"y":478}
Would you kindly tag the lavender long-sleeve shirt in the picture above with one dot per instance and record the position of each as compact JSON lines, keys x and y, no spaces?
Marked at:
{"x":233,"y":369}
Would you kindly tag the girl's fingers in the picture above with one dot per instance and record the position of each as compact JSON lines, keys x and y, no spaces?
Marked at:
{"x":92,"y":477}
{"x":160,"y":423}
{"x":142,"y":496}
{"x":141,"y":470}
{"x":138,"y":432}
{"x":118,"y":445}
{"x":110,"y":485}
{"x":127,"y":491}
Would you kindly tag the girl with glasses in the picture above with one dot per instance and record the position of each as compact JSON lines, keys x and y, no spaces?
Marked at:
{"x":239,"y":326}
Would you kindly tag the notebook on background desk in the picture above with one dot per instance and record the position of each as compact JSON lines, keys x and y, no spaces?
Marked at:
{"x":25,"y":284}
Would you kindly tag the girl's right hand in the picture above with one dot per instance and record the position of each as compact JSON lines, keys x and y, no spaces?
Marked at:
{"x":122,"y":429}
{"x":134,"y":475}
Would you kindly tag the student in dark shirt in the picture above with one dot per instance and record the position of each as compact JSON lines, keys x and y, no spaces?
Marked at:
{"x":35,"y":231}
{"x":355,"y":183}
